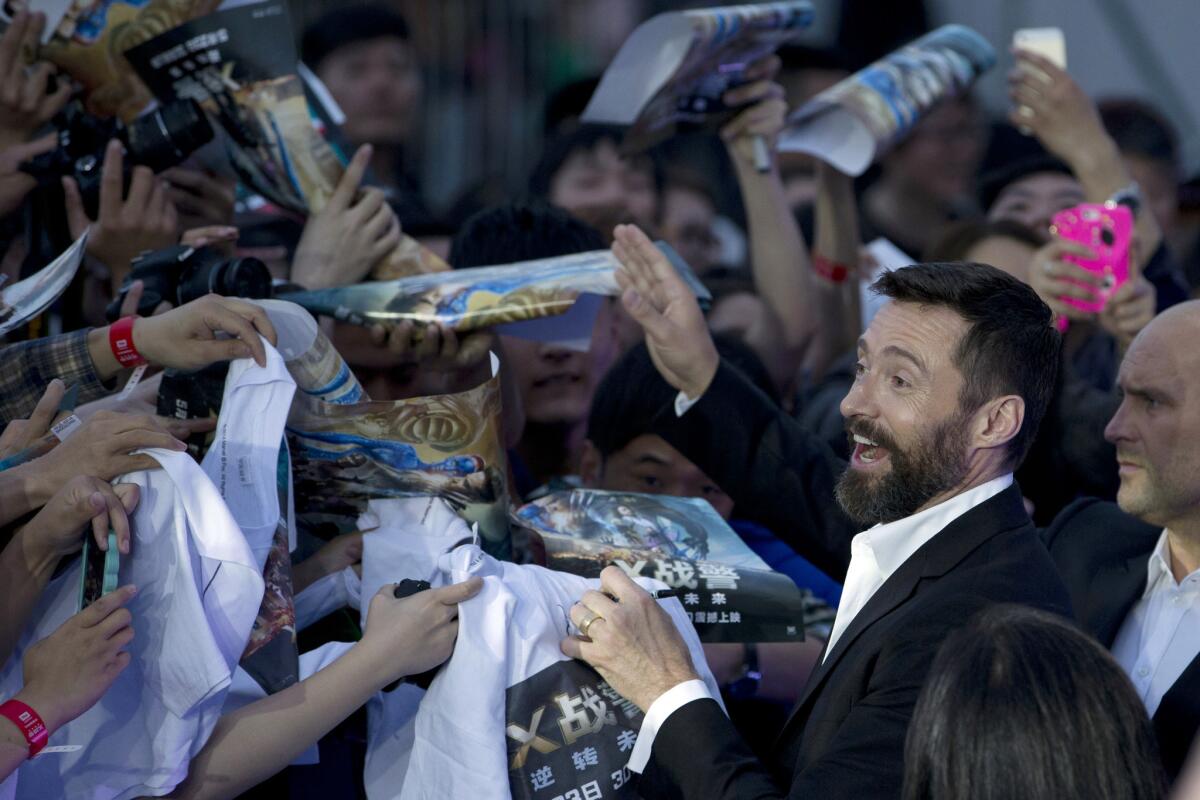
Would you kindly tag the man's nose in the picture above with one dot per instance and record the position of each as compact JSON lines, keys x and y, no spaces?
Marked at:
{"x":859,"y":401}
{"x":1116,"y":429}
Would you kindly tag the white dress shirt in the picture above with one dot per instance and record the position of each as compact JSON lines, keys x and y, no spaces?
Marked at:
{"x":1161,"y":634}
{"x":874,"y":555}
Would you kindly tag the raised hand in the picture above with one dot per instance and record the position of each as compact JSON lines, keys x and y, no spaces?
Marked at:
{"x":658,"y":299}
{"x":765,"y":113}
{"x":355,"y":230}
{"x":186,"y":337}
{"x":24,"y":103}
{"x":128,"y":224}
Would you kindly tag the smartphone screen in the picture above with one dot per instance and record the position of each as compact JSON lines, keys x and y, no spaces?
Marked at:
{"x":1048,"y":43}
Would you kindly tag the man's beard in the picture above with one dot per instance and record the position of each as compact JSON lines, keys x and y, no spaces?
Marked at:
{"x":937,"y":462}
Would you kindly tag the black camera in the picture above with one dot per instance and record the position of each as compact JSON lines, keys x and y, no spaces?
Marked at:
{"x":180,"y":274}
{"x":160,"y":139}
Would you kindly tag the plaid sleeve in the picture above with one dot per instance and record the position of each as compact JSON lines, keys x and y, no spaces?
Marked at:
{"x":29,"y":366}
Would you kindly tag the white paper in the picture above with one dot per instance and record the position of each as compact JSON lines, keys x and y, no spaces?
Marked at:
{"x":26,"y":299}
{"x":887,"y":257}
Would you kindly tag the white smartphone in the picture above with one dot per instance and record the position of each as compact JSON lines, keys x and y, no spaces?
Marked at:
{"x":1048,"y":43}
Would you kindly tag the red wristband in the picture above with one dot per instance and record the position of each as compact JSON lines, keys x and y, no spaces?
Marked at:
{"x":830,"y":270}
{"x":29,"y":722}
{"x":120,"y":339}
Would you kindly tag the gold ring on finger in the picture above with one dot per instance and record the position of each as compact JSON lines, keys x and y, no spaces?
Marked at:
{"x":587,"y":623}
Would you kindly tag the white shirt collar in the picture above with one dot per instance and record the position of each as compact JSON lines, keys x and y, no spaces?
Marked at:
{"x":894,"y":543}
{"x":1159,"y":567}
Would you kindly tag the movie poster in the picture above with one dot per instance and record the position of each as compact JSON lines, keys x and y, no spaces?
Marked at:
{"x":449,"y":446}
{"x":482,"y":297}
{"x":854,"y":121}
{"x":240,"y":64}
{"x":91,"y":36}
{"x":727,"y":591}
{"x":569,"y":734}
{"x":672,"y":71}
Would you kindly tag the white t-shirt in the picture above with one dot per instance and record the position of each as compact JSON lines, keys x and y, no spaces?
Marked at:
{"x":199,"y":590}
{"x":509,"y":714}
{"x":409,"y":535}
{"x":244,"y":456}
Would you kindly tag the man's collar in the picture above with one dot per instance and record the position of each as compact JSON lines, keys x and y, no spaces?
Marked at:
{"x":1159,"y":564}
{"x":893,"y":543}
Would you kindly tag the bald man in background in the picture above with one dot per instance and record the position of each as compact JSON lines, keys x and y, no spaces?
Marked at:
{"x":1133,"y":571}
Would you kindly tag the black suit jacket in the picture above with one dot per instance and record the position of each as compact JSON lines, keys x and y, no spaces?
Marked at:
{"x":846,"y":736}
{"x":1102,"y":554}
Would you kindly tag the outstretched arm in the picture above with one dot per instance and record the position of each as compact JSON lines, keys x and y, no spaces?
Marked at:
{"x":778,"y":256}
{"x":405,"y":637}
{"x":776,"y":472}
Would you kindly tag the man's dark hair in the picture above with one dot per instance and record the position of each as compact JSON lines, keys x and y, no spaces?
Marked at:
{"x":1019,"y":703}
{"x":346,"y":25}
{"x":633,"y":394}
{"x":1140,"y":130}
{"x":1010,"y":346}
{"x":584,"y":137}
{"x":521,"y":232}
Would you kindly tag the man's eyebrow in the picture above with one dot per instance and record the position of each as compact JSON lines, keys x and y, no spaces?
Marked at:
{"x":894,"y":350}
{"x":650,"y":458}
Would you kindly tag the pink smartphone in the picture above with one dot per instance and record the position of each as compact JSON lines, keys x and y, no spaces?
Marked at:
{"x":1108,"y":230}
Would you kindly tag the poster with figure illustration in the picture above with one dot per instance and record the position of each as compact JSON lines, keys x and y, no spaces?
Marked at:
{"x":91,"y":36}
{"x":674,"y":68}
{"x":483,"y":297}
{"x":449,"y":446}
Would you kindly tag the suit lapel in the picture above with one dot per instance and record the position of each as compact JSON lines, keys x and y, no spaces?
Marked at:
{"x":1115,"y":588}
{"x":947,"y":548}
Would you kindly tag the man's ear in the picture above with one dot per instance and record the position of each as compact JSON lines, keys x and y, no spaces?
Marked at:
{"x":998,"y":422}
{"x":591,"y":465}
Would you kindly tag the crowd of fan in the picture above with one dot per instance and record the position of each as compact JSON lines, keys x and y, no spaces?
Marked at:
{"x":1014,"y":661}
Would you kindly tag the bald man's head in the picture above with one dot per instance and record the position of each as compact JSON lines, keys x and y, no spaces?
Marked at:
{"x":1156,"y":430}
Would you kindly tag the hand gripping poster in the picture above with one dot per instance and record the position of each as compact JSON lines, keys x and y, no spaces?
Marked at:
{"x":672,"y":71}
{"x":727,"y":592}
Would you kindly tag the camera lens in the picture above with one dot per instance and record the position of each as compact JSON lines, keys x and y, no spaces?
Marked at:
{"x":244,"y":277}
{"x":168,"y":135}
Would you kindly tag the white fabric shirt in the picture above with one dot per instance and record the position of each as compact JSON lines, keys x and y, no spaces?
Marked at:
{"x":1160,"y":636}
{"x":407,"y":537}
{"x":199,"y":590}
{"x":508,"y":633}
{"x":874,"y":555}
{"x":243,"y":459}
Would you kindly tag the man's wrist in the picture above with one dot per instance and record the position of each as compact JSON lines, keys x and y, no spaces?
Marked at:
{"x":705,"y":376}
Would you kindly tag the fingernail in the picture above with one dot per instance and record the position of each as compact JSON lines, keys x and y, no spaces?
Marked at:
{"x":179,"y":445}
